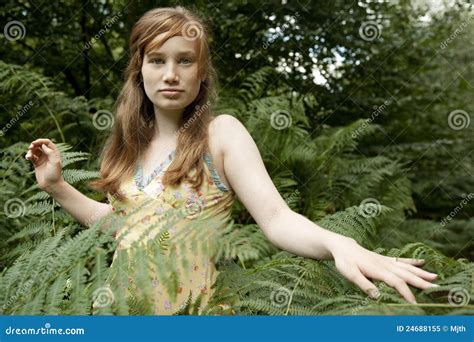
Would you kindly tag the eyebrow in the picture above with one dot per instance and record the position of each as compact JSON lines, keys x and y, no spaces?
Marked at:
{"x":179,"y":53}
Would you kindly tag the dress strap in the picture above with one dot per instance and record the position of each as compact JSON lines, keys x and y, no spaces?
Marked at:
{"x":214,"y":175}
{"x":141,"y":181}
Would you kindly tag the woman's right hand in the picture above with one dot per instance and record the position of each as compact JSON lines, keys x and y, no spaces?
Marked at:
{"x":46,"y":159}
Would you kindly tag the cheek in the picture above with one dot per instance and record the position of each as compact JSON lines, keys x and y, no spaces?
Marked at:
{"x":194,"y":82}
{"x":147,"y":75}
{"x":149,"y":80}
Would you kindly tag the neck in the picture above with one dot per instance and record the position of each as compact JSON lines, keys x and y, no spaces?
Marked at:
{"x":167,"y":125}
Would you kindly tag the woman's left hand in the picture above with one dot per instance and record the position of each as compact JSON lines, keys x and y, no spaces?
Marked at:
{"x":357,"y":264}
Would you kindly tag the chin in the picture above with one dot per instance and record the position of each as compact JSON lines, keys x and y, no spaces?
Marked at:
{"x":170,"y":105}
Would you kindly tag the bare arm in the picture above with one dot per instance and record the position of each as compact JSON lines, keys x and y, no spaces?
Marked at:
{"x":82,"y":208}
{"x":293,"y":232}
{"x":46,"y":159}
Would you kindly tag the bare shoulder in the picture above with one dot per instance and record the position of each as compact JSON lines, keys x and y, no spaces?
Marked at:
{"x":225,"y":128}
{"x":226,"y":123}
{"x":220,"y":130}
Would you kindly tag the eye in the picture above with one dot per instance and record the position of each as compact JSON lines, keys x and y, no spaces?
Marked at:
{"x":189,"y":61}
{"x":154,"y":60}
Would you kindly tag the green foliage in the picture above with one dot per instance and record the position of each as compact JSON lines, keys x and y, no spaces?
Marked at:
{"x":65,"y":268}
{"x":387,"y":175}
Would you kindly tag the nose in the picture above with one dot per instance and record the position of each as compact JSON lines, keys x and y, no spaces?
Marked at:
{"x":170,"y":74}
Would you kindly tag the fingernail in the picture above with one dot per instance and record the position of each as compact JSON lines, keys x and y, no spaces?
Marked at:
{"x":434,"y":285}
{"x":374,"y":293}
{"x":414,"y":302}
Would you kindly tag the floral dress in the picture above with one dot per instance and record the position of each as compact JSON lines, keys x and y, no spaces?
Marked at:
{"x":213,"y":200}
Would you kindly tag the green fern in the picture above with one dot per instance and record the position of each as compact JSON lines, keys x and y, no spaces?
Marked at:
{"x":53,"y":265}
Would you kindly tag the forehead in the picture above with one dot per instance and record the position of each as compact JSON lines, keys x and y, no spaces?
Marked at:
{"x":172,"y":45}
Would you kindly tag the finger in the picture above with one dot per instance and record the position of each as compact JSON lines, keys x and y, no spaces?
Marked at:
{"x":418,"y":271}
{"x":399,"y":284}
{"x":31,"y":156}
{"x":42,"y":141}
{"x":39,"y":142}
{"x":415,"y":262}
{"x":36,"y":151}
{"x":413,"y":279}
{"x":34,"y":159}
{"x":363,"y":283}
{"x":47,"y":150}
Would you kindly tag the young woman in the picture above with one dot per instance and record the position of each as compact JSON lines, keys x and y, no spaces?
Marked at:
{"x":167,"y":146}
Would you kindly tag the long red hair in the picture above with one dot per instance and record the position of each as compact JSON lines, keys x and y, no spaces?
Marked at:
{"x":134,"y":123}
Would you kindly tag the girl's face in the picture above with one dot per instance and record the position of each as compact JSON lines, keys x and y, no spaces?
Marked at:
{"x":173,"y":66}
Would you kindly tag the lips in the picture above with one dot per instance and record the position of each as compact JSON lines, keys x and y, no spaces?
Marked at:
{"x":171,"y":90}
